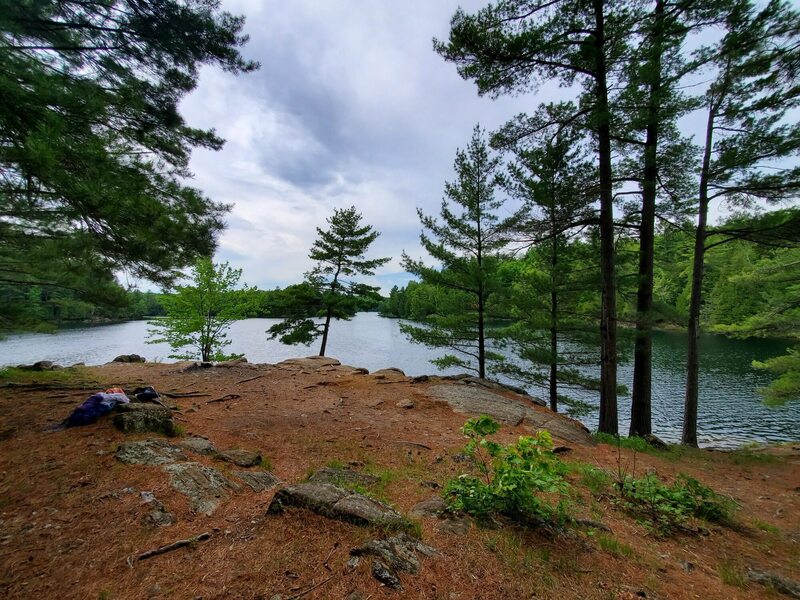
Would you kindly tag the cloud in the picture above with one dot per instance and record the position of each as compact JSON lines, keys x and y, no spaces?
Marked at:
{"x":351,"y":107}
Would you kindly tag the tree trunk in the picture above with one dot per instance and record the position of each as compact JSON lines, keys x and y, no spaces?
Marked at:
{"x":608,"y":422}
{"x":641,"y":422}
{"x":325,"y":331}
{"x":553,"y":328}
{"x":481,"y":340}
{"x":690,"y":403}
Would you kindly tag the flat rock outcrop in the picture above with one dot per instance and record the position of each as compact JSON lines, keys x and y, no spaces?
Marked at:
{"x":309,"y":363}
{"x":334,"y":502}
{"x":476,"y":400}
{"x":258,"y":481}
{"x":241,"y":458}
{"x":149,"y":452}
{"x":342,"y":477}
{"x":205,"y":487}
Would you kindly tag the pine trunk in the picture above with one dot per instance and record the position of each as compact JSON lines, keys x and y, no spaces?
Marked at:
{"x":608,"y":422}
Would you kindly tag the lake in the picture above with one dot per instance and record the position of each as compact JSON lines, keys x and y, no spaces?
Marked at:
{"x":731,"y":412}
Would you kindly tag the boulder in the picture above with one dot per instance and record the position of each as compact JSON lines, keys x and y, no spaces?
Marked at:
{"x":42,"y":365}
{"x":205,"y":487}
{"x":129,"y":358}
{"x":432,"y":507}
{"x":199,"y":445}
{"x":236,"y":362}
{"x":334,"y":502}
{"x":398,"y":552}
{"x":310,"y":362}
{"x":383,"y":574}
{"x":149,"y":452}
{"x":158,"y":515}
{"x":138,"y":417}
{"x":776,"y":582}
{"x":342,"y":477}
{"x":259,"y":481}
{"x":475,"y":400}
{"x":407,"y":404}
{"x":241,"y":458}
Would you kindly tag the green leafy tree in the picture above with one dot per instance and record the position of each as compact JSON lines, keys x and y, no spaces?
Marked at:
{"x":466,"y":243}
{"x":329,"y":292}
{"x":94,"y":153}
{"x":198,"y":315}
{"x":749,"y":142}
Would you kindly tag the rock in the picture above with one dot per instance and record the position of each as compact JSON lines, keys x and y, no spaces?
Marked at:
{"x":432,"y":507}
{"x":354,"y":596}
{"x":334,"y":502}
{"x":399,"y":552}
{"x":205,"y":487}
{"x":196,"y":366}
{"x":777,"y":582}
{"x":476,"y":400}
{"x":199,"y":445}
{"x":139,"y":417}
{"x":149,"y":452}
{"x":129,"y":358}
{"x":158,"y":516}
{"x":259,"y":481}
{"x":236,"y":362}
{"x":655,"y":442}
{"x":310,"y":362}
{"x":405,"y":404}
{"x":420,"y":379}
{"x":359,"y":371}
{"x":42,"y":365}
{"x":382,"y":573}
{"x":342,"y":477}
{"x":241,"y":458}
{"x":389,"y":371}
{"x":455,"y":525}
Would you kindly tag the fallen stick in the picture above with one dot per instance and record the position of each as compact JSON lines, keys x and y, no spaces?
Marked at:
{"x":225,"y":398}
{"x":410,"y":443}
{"x":184,"y":394}
{"x":175,"y":545}
{"x":311,"y":589}
{"x":249,"y":379}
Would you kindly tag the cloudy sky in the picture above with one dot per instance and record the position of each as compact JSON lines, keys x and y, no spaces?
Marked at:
{"x":351,"y":107}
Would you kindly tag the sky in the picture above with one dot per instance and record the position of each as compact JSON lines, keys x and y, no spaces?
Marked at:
{"x":351,"y":106}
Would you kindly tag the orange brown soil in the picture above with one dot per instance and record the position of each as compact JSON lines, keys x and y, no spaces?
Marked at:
{"x":69,"y":530}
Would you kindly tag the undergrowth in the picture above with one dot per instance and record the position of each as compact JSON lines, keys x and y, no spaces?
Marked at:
{"x":509,"y":480}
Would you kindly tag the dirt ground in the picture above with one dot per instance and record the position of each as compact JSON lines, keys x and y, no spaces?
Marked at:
{"x":71,"y":515}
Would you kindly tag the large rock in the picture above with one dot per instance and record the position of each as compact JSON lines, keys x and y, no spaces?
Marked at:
{"x":776,"y":582}
{"x":475,"y":400}
{"x":129,"y":358}
{"x":336,"y":503}
{"x":42,"y":365}
{"x":199,"y":445}
{"x":241,"y":458}
{"x":398,"y":552}
{"x":259,"y":481}
{"x":138,"y":417}
{"x":149,"y":452}
{"x":205,"y":487}
{"x":310,"y":362}
{"x":342,"y":477}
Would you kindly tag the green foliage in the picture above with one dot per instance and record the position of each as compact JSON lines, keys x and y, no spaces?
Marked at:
{"x":198,"y":315}
{"x":329,"y":290}
{"x":597,"y":481}
{"x":95,"y":153}
{"x":510,"y":480}
{"x":666,"y":507}
{"x":732,"y":573}
{"x":614,"y":547}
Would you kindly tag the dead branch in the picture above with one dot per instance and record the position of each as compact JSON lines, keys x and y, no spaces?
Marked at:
{"x":225,"y":398}
{"x":175,"y":545}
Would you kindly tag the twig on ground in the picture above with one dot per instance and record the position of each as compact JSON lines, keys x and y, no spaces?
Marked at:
{"x":184,"y":394}
{"x":225,"y":398}
{"x":410,"y":443}
{"x":311,"y":589}
{"x":327,"y":558}
{"x":249,"y":379}
{"x":175,"y":545}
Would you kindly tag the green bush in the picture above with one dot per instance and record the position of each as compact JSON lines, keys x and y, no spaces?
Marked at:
{"x":509,"y":480}
{"x":667,"y":507}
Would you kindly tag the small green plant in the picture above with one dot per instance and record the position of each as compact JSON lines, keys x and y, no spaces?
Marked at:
{"x":732,"y":573}
{"x":614,"y":547}
{"x":666,"y":507}
{"x":597,"y":481}
{"x":510,"y":480}
{"x":766,"y":527}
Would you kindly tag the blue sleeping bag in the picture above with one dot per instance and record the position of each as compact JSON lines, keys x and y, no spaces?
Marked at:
{"x":94,"y":407}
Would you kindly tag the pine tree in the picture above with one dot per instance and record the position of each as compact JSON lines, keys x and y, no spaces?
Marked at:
{"x":747,"y":129}
{"x":509,"y":47}
{"x":466,"y":243}
{"x":328,"y":291}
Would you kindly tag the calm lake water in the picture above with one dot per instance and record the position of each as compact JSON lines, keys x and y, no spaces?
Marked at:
{"x":731,"y":411}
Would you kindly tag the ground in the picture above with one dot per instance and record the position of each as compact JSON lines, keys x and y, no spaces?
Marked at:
{"x":72,"y":515}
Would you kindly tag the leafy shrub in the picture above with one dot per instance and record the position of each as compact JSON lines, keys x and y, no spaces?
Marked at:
{"x":667,"y":507}
{"x":510,"y":479}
